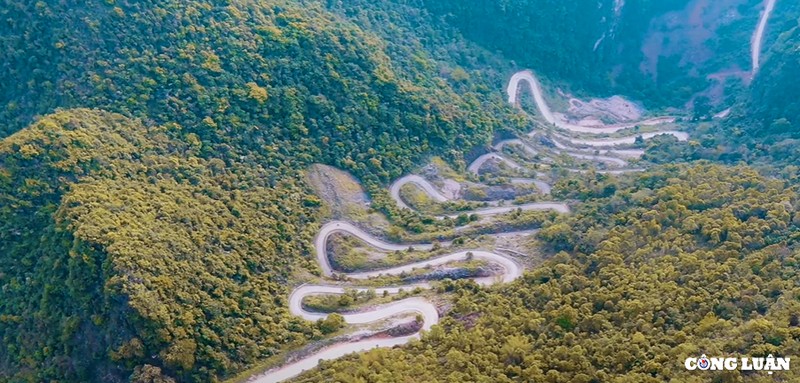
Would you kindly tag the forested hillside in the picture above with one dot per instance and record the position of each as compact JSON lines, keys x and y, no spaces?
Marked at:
{"x":762,"y":127}
{"x":772,"y":106}
{"x":159,"y":248}
{"x":121,"y":249}
{"x":679,"y":262}
{"x":243,"y":76}
{"x":154,"y":214}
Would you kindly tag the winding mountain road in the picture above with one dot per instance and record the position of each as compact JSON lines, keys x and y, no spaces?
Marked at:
{"x":538,"y":97}
{"x":345,"y":227}
{"x":615,"y":172}
{"x":597,"y":158}
{"x":624,"y":153}
{"x":511,"y":270}
{"x":530,"y":150}
{"x":610,"y":142}
{"x":431,"y":190}
{"x":476,"y":165}
{"x":418,"y":181}
{"x":419,"y":306}
{"x":427,"y":311}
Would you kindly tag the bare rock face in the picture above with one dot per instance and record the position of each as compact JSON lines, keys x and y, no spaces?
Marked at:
{"x":547,"y":142}
{"x":430,"y":172}
{"x":614,"y":109}
{"x":495,"y":193}
{"x":404,"y":329}
{"x":451,"y":189}
{"x":475,"y":192}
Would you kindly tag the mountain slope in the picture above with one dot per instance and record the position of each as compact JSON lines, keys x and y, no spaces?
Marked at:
{"x":662,"y":53}
{"x":121,"y":248}
{"x":159,"y":245}
{"x":153,"y":212}
{"x":771,"y":107}
{"x":286,"y":80}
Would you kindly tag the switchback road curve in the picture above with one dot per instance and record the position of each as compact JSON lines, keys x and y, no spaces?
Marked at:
{"x":425,"y":310}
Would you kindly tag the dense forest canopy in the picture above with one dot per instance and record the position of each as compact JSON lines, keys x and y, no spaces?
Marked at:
{"x":232,"y":100}
{"x":120,"y":244}
{"x":154,"y":213}
{"x":243,"y":76}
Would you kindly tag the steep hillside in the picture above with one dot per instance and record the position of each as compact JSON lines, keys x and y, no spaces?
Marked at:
{"x":162,"y":245}
{"x":772,"y":106}
{"x":762,"y":126}
{"x":154,"y":213}
{"x":663,"y":53}
{"x":290,"y":81}
{"x":120,"y":248}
